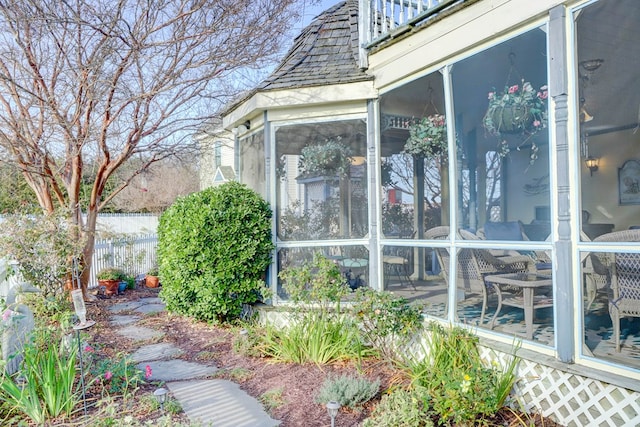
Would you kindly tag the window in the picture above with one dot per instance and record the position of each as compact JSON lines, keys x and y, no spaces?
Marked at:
{"x":321,"y":181}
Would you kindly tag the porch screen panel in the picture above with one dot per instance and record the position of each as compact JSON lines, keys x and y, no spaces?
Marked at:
{"x":415,"y":195}
{"x":400,"y":276}
{"x":321,"y":183}
{"x":352,"y":263}
{"x":608,"y":103}
{"x":503,"y":188}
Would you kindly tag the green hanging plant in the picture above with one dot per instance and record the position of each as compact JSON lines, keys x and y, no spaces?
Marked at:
{"x":427,"y":137}
{"x":326,"y":158}
{"x":517,"y":110}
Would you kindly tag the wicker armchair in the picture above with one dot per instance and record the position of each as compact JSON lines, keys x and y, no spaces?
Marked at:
{"x":475,"y":264}
{"x":624,"y":275}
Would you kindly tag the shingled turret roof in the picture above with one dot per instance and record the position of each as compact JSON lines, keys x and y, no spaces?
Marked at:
{"x":325,"y":52}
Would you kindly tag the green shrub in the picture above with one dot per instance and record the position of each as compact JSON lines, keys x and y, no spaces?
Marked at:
{"x":387,"y":322}
{"x":214,"y":247}
{"x":462,"y":389}
{"x":44,"y":245}
{"x":318,"y":332}
{"x":318,"y":282}
{"x":402,"y":408}
{"x":348,"y":390}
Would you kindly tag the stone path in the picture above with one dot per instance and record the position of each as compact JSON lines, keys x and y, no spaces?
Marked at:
{"x":209,"y":402}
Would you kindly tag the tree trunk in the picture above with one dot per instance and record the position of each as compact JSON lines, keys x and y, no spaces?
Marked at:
{"x":89,"y":231}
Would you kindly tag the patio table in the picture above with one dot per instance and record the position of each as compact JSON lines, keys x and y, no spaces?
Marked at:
{"x":529,"y":302}
{"x":355,"y":270}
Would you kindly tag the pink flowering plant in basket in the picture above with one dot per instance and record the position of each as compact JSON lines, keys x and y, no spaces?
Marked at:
{"x":518,"y":110}
{"x":427,"y":137}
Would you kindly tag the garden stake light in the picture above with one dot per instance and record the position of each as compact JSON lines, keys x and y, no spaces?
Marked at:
{"x":81,"y":312}
{"x":161,"y":396}
{"x":333,"y":407}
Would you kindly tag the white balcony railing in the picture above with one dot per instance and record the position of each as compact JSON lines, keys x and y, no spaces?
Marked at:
{"x":379,"y":19}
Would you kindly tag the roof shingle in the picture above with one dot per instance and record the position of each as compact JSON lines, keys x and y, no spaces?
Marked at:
{"x":325,"y":52}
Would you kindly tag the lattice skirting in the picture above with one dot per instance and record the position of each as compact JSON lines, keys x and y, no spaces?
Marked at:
{"x":571,"y":399}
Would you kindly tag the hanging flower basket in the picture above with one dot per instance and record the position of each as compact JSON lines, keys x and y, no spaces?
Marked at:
{"x":329,"y":158}
{"x":519,"y":109}
{"x":427,"y":137}
{"x":512,"y":119}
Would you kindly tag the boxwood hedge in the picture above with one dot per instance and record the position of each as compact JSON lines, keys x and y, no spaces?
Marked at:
{"x":214,"y":247}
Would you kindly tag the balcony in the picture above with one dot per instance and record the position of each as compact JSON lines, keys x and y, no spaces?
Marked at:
{"x":381,"y":20}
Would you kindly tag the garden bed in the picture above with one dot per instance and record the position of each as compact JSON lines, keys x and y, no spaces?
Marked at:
{"x":287,"y":391}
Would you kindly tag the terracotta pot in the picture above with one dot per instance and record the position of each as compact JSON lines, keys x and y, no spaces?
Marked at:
{"x":110,"y":285}
{"x":152,"y":281}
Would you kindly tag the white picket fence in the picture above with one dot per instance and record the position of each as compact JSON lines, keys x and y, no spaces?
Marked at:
{"x":134,"y":254}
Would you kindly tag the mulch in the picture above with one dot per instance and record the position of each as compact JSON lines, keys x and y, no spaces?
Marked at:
{"x":295,"y":386}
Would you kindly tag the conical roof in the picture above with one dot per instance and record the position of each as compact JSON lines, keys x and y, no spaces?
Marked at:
{"x":325,"y":52}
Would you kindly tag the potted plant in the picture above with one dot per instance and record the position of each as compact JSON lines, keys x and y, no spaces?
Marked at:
{"x":152,"y":280}
{"x":427,"y":137}
{"x":110,"y":277}
{"x":327,"y":158}
{"x":517,"y":110}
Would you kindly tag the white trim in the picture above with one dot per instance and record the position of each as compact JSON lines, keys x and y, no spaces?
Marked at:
{"x":292,"y":99}
{"x":391,"y":71}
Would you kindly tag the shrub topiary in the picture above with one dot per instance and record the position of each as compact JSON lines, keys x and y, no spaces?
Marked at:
{"x":214,"y":247}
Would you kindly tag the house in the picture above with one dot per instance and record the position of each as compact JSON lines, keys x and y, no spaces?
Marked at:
{"x":217,"y":159}
{"x":511,"y":129}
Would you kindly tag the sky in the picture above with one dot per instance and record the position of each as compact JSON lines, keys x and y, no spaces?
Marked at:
{"x":311,"y":11}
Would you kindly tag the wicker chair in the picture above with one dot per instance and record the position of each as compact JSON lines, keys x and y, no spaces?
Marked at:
{"x":624,"y":275}
{"x":595,"y":274}
{"x":541,"y":256}
{"x":475,"y":264}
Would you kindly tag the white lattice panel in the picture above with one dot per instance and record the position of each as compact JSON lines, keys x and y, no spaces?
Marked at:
{"x":571,"y":399}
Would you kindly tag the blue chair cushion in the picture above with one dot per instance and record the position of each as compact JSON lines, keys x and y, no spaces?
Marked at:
{"x":509,"y":230}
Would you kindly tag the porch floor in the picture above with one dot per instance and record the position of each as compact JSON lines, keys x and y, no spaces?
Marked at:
{"x":597,"y":323}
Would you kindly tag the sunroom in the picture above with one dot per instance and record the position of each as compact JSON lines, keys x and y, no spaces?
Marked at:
{"x":480,"y":157}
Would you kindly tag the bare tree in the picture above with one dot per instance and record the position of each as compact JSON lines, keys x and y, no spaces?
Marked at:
{"x":158,"y":187}
{"x":97,"y":82}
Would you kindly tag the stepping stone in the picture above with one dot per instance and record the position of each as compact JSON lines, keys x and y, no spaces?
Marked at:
{"x":139,"y":333}
{"x":219,"y":403}
{"x":176,"y":370}
{"x":150,"y":308}
{"x":124,"y":306}
{"x":122,"y":320}
{"x":155,"y":352}
{"x":151,"y":300}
